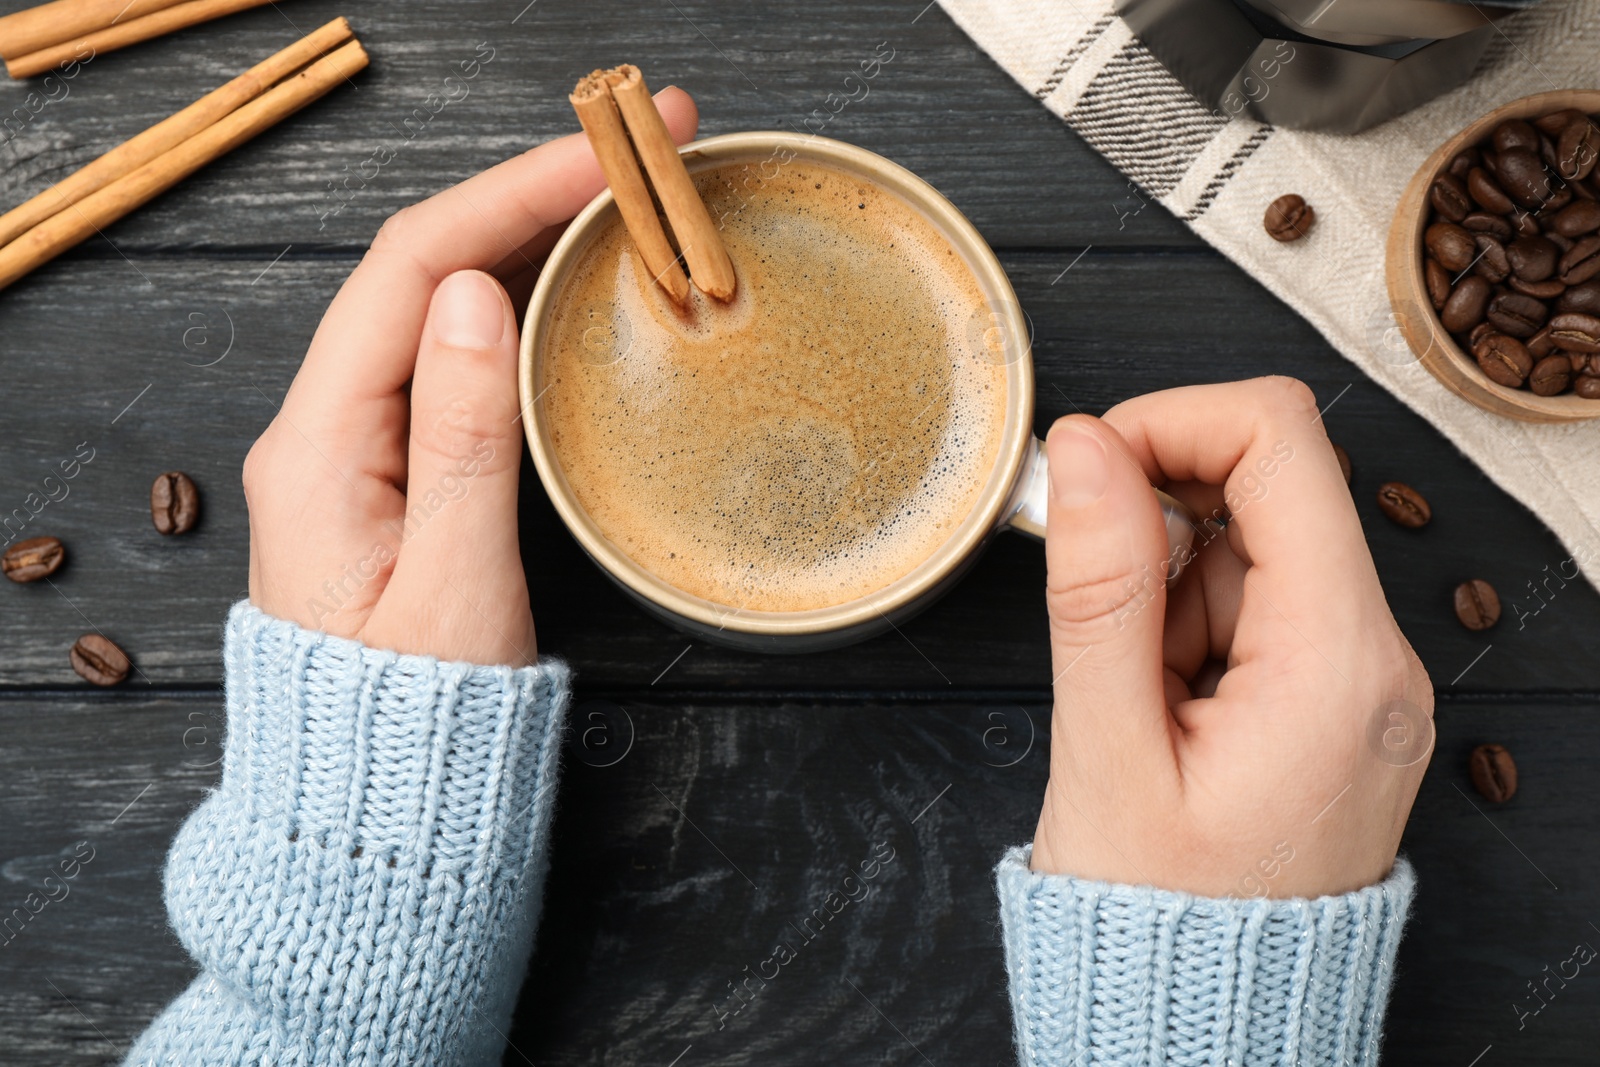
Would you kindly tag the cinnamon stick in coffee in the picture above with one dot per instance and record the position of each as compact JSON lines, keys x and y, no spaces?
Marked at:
{"x":709,"y":265}
{"x":597,"y":113}
{"x":170,"y":132}
{"x":106,"y":205}
{"x":122,"y":33}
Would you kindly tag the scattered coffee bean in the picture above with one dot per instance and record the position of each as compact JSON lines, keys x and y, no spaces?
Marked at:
{"x":1465,"y":307}
{"x":1477,"y":604}
{"x":1550,"y":376}
{"x":35,"y":558}
{"x":1344,"y":463}
{"x":174,"y":503}
{"x":1289,"y":218}
{"x":99,"y":661}
{"x":1504,"y":360}
{"x":1519,"y":249}
{"x":1404,"y":505}
{"x":1494,"y":773}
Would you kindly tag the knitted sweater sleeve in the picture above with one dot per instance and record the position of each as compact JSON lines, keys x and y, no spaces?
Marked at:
{"x":363,"y":886}
{"x":1108,"y":975}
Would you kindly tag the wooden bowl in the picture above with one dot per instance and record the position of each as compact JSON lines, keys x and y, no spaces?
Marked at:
{"x":1408,"y":294}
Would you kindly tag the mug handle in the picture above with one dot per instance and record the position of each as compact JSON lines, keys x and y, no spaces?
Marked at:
{"x":1025,"y":511}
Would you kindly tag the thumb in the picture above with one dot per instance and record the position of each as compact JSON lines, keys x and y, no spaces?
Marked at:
{"x":1106,"y":552}
{"x":459,"y":574}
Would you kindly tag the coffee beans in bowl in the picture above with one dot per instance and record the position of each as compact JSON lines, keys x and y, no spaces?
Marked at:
{"x":1494,"y":259}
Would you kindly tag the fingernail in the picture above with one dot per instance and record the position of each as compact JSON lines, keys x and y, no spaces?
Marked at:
{"x":674,"y":85}
{"x":467,"y":312}
{"x":1078,"y":468}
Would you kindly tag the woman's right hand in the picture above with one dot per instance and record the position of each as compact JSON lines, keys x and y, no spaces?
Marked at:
{"x":1262,"y":727}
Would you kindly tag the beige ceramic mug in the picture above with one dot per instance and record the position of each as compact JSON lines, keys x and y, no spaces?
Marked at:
{"x":1013,"y":496}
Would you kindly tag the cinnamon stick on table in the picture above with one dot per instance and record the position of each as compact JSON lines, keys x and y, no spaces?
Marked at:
{"x":123,"y":32}
{"x":170,"y":132}
{"x":709,"y":265}
{"x":40,"y":27}
{"x":597,"y":113}
{"x":106,"y":205}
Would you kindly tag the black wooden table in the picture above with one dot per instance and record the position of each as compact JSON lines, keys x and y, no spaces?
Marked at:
{"x":710,"y":798}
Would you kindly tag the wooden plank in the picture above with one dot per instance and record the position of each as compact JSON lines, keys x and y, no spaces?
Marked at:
{"x":649,"y":914}
{"x":330,"y":175}
{"x":1097,"y":339}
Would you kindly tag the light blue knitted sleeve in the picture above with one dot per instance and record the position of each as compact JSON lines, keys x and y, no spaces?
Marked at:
{"x":1109,"y":975}
{"x":363,"y":886}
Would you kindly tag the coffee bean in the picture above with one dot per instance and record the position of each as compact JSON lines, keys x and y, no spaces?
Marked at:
{"x":1492,"y":261}
{"x":1504,"y":360}
{"x":1588,"y":387}
{"x":1545,"y":290}
{"x":1344,"y":462}
{"x":99,"y":661}
{"x":1540,"y":344}
{"x":1576,"y":149}
{"x":1289,"y":218}
{"x":1464,"y":161}
{"x":1450,"y":198}
{"x":1494,"y":773}
{"x":1479,"y":332}
{"x":1557,"y":121}
{"x":1514,"y":133}
{"x":1551,"y":375}
{"x":1533,"y":259}
{"x":1584,"y":298}
{"x":1579,"y":263}
{"x":35,"y":558}
{"x":1517,"y":315}
{"x":1404,"y":505}
{"x":1477,"y":604}
{"x":1437,"y":280}
{"x":1451,"y":245}
{"x":1563,"y":243}
{"x":1577,"y":218}
{"x":1465,"y":307}
{"x":1523,"y":177}
{"x":1487,"y":192}
{"x":1483,"y":222}
{"x":174,"y":503}
{"x":1576,"y":332}
{"x":1560,"y":196}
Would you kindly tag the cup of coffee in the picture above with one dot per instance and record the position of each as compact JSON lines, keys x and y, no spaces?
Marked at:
{"x":817,"y":459}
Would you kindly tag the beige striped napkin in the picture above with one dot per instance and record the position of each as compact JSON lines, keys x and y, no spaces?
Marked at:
{"x":1081,"y":62}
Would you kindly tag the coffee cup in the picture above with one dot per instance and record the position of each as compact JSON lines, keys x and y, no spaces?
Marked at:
{"x":1013,"y":470}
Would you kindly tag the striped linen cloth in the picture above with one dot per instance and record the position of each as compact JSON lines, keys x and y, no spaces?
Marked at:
{"x":1080,"y":61}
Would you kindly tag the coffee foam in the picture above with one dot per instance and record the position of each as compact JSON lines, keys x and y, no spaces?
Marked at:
{"x":809,"y":442}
